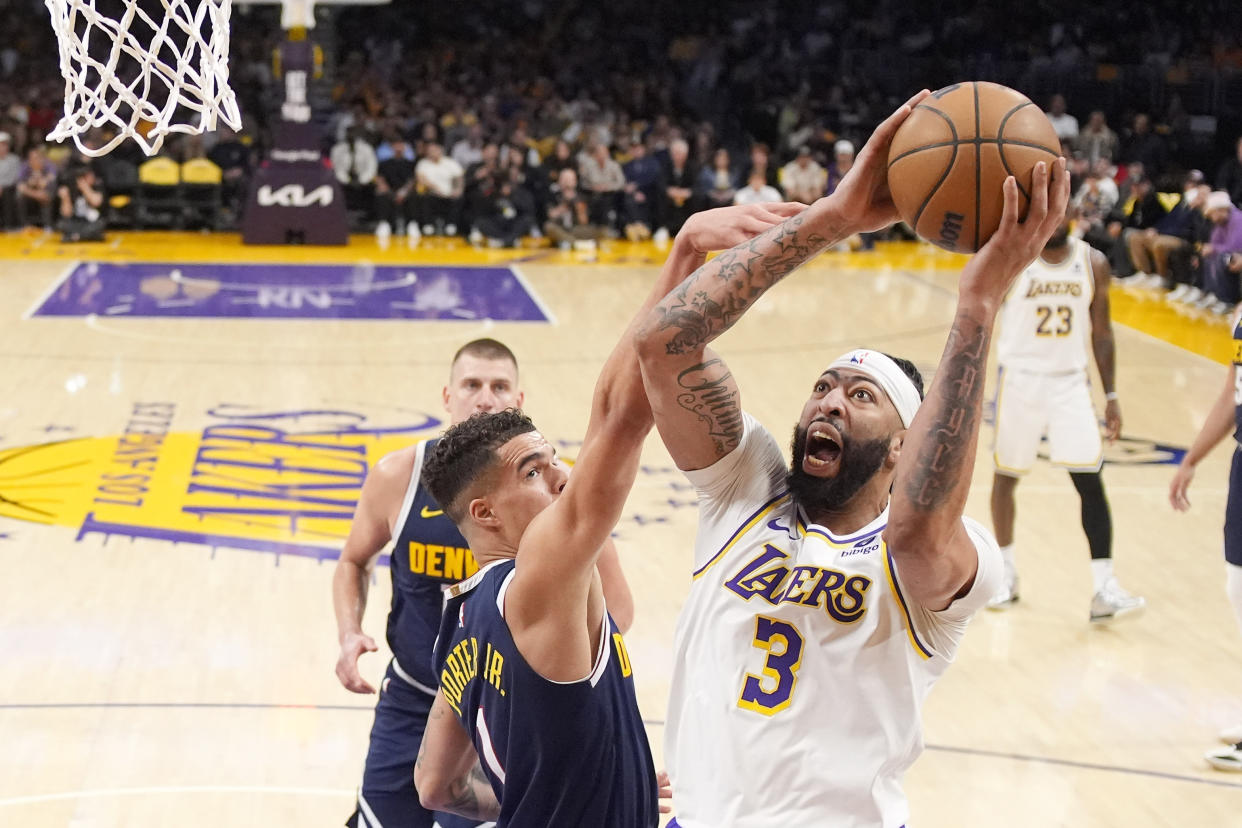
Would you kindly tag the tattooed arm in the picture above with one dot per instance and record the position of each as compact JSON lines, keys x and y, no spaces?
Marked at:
{"x":447,"y":773}
{"x":925,"y":535}
{"x":695,"y":400}
{"x":696,"y":403}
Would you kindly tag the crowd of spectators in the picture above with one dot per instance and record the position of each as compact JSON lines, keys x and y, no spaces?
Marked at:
{"x":501,"y":121}
{"x":1178,"y":234}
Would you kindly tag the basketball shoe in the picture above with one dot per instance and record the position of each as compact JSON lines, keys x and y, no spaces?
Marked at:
{"x":1113,"y":602}
{"x":1226,"y":759}
{"x":1008,"y":594}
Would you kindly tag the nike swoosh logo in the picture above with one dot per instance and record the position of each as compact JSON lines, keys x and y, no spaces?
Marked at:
{"x":430,"y":513}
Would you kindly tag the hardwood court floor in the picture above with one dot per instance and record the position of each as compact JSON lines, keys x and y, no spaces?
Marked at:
{"x":166,"y":632}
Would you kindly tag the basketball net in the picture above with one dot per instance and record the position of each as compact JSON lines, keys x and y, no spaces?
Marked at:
{"x":136,"y":73}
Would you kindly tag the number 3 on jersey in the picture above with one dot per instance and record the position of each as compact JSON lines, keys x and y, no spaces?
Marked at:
{"x":783,"y":644}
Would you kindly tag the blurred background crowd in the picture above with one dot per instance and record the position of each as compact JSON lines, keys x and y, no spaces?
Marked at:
{"x":599,"y":121}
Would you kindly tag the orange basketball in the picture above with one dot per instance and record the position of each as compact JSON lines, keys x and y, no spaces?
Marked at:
{"x":950,"y":157}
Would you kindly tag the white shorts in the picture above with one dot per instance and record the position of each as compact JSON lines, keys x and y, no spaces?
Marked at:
{"x":1030,"y":405}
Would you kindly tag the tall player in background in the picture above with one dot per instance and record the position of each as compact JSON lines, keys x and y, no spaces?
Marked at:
{"x":1045,"y":388}
{"x":428,"y":554}
{"x":536,"y":696}
{"x":1224,"y":418}
{"x":821,"y":611}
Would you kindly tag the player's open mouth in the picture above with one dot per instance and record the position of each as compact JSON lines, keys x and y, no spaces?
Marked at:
{"x":823,"y":447}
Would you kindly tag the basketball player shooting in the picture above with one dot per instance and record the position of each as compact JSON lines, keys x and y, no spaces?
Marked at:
{"x":828,"y":596}
{"x":536,"y":695}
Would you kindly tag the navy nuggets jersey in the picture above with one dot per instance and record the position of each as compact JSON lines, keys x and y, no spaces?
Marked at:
{"x":558,"y":754}
{"x":427,"y":555}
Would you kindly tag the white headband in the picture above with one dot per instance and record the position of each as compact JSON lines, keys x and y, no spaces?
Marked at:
{"x":888,"y":375}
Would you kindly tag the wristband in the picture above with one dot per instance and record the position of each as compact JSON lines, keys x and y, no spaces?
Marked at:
{"x":1111,"y":396}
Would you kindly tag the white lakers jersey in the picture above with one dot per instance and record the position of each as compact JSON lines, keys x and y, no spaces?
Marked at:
{"x":1046,"y":319}
{"x":801,"y":664}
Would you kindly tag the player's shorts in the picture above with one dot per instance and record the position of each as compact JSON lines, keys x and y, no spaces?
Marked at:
{"x":1233,"y":511}
{"x":1030,"y":405}
{"x":388,"y":798}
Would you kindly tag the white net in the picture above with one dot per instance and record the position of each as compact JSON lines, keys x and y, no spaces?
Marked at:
{"x":134,"y":73}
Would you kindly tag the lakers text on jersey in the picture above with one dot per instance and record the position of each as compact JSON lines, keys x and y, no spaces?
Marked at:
{"x":802,"y":666}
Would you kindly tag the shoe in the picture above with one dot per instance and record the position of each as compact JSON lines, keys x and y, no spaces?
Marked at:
{"x":1008,"y":595}
{"x":660,"y":236}
{"x":1178,"y":293}
{"x":400,"y":228}
{"x":383,"y":230}
{"x":1220,"y":307}
{"x":1193,"y":295}
{"x":1113,"y":602}
{"x":1226,"y":759}
{"x":450,"y":229}
{"x":1153,"y":280}
{"x":1231,"y":735}
{"x":429,"y":230}
{"x":1136,"y":279}
{"x":475,"y":237}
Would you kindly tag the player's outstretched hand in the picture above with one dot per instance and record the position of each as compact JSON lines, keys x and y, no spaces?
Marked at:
{"x":1180,"y":485}
{"x":726,"y":227}
{"x":666,"y":792}
{"x":862,"y":198}
{"x":1112,"y":420}
{"x":352,"y":648}
{"x":1016,"y":243}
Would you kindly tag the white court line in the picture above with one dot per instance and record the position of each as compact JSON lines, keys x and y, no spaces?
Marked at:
{"x":197,"y":789}
{"x":1179,"y":348}
{"x":1049,"y":488}
{"x":535,"y":297}
{"x":57,"y":282}
{"x":95,"y":323}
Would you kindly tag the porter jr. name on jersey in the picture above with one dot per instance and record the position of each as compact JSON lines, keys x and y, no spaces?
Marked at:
{"x":463,"y":666}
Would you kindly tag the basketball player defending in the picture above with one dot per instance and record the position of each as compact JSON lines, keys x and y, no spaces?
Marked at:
{"x":535,"y":679}
{"x":827,"y":597}
{"x":1043,"y":388}
{"x":1224,"y":418}
{"x":428,"y":554}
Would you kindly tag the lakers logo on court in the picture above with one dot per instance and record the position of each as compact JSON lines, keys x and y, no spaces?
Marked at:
{"x":283,"y":482}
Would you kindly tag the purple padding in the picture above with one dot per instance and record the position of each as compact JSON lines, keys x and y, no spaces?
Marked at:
{"x":293,"y":292}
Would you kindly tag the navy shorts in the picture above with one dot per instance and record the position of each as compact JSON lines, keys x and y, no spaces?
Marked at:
{"x":388,"y":798}
{"x":1233,"y":512}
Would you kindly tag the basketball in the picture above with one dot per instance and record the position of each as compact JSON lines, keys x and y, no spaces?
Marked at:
{"x":949,"y":160}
